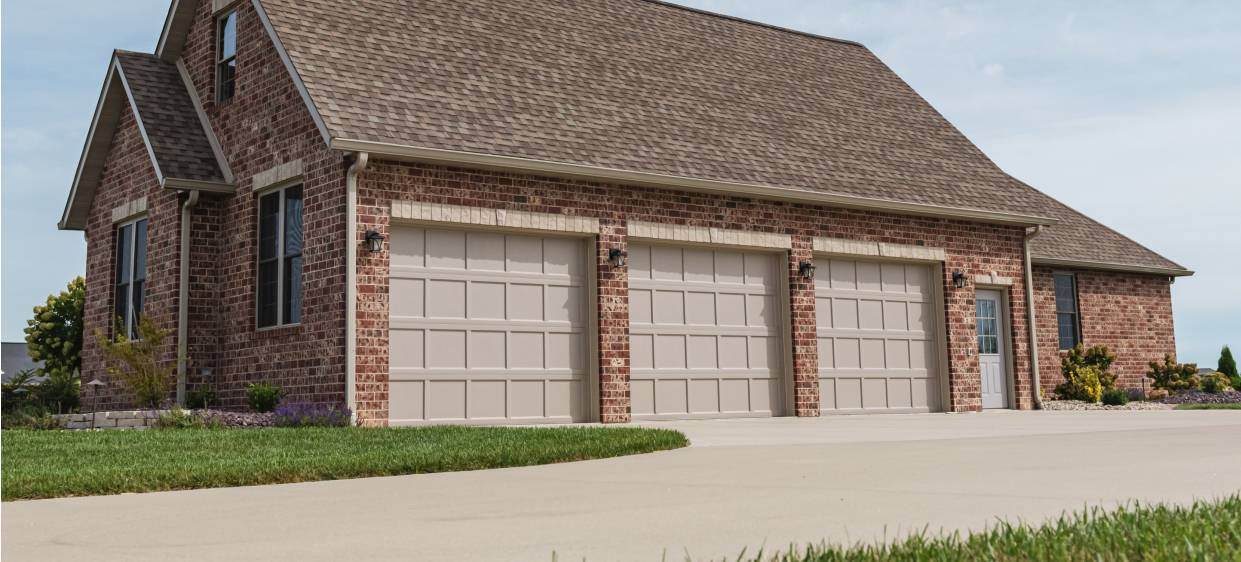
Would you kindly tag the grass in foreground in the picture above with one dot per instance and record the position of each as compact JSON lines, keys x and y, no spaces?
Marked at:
{"x":47,"y":464}
{"x":1205,"y":531}
{"x":1208,"y":406}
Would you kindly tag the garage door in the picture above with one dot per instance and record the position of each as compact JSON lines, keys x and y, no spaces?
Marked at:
{"x":877,"y":350}
{"x":486,"y":327}
{"x":705,"y":336}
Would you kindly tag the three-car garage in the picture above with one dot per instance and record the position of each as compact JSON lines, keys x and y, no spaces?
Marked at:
{"x":499,"y":326}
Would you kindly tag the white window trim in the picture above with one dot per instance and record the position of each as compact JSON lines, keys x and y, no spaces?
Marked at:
{"x":219,"y":61}
{"x":279,"y":192}
{"x":128,"y":320}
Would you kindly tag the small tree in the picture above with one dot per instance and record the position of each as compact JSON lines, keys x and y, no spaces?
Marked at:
{"x":136,"y":362}
{"x":54,"y":336}
{"x":1227,"y":364}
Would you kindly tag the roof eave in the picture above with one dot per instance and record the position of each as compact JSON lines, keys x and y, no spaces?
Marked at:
{"x":107,"y":97}
{"x":580,"y":171}
{"x":1106,"y":266}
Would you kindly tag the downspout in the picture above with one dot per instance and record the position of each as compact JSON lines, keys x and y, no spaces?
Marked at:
{"x":1032,"y":328}
{"x":183,"y":297}
{"x":351,"y":282}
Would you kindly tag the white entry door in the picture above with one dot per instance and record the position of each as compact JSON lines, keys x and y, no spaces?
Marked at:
{"x":991,"y":349}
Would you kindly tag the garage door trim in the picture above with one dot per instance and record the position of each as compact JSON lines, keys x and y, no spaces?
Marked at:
{"x":588,"y":241}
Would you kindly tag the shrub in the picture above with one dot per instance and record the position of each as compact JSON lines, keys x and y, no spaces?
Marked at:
{"x":1156,"y":394}
{"x":182,"y":419}
{"x":1098,"y":356}
{"x":1083,"y":383}
{"x":1115,"y":397}
{"x":200,"y":398}
{"x":1172,"y":376}
{"x":136,"y":362}
{"x":262,"y":396}
{"x":302,"y":414}
{"x":54,"y":334}
{"x":1137,"y":395}
{"x":30,"y":416}
{"x":1216,"y":383}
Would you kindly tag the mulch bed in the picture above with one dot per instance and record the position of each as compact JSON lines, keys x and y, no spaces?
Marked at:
{"x":1200,"y":397}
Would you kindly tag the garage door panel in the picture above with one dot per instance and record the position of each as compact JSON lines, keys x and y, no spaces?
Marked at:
{"x":445,"y":249}
{"x":711,"y":344}
{"x":486,"y":327}
{"x":876,"y":350}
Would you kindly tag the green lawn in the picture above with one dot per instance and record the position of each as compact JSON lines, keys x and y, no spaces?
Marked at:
{"x":1207,"y":531}
{"x":46,"y":464}
{"x":1208,"y":406}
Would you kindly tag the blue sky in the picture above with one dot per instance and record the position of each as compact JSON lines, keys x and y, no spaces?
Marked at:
{"x":1128,"y":111}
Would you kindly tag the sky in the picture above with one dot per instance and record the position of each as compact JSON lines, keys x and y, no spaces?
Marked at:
{"x":1129,"y":111}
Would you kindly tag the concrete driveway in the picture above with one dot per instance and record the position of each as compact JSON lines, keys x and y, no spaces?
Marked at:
{"x":744,"y":483}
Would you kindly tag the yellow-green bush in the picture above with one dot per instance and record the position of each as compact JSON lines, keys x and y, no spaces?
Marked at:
{"x":1082,"y":382}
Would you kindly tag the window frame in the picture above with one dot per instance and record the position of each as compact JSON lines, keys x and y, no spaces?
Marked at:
{"x":131,"y":316}
{"x":1075,"y":313}
{"x":280,"y":191}
{"x":220,"y":60}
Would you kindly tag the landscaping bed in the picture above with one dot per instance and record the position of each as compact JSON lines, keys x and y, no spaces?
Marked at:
{"x":47,"y":464}
{"x":1200,"y":397}
{"x":1204,"y":531}
{"x":1078,"y":405}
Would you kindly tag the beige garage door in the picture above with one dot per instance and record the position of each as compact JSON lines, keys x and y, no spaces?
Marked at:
{"x":705,"y":336}
{"x":877,"y":350}
{"x":486,"y":327}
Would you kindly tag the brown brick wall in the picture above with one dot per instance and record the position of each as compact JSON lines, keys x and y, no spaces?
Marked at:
{"x":1131,"y":313}
{"x":971,"y":248}
{"x":127,"y":176}
{"x":264,"y":125}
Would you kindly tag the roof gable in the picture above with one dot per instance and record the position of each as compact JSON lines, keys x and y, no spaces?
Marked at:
{"x":179,"y":142}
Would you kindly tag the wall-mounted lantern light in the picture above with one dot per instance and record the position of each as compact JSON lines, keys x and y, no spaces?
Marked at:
{"x":616,"y":257}
{"x":958,"y":279}
{"x":374,"y":241}
{"x":806,"y":270}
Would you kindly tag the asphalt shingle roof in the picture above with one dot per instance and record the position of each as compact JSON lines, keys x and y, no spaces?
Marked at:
{"x":643,"y":86}
{"x":169,"y":119}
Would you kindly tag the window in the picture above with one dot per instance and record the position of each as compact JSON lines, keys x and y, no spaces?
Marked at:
{"x":1066,"y":311}
{"x":131,"y":275}
{"x":987,"y":320}
{"x":226,"y":56}
{"x":280,"y":258}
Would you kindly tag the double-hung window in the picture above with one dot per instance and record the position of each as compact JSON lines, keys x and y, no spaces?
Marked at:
{"x":280,"y":257}
{"x":226,"y":56}
{"x":131,"y":275}
{"x":1068,"y":320}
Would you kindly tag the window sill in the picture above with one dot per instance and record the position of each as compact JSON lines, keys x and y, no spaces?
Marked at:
{"x":276,"y":331}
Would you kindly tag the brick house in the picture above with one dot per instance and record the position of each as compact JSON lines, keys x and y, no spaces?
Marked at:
{"x":531,"y":211}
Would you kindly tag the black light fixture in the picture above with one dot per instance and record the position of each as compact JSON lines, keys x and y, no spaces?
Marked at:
{"x":374,"y":241}
{"x":958,"y":279}
{"x":616,"y":257}
{"x":806,"y":269}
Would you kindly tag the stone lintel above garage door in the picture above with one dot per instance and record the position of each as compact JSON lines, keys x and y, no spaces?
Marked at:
{"x":481,"y":216}
{"x":706,"y":235}
{"x":847,"y":247}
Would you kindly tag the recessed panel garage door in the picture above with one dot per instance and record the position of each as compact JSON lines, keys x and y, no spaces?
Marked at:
{"x":877,"y":350}
{"x":486,"y":327}
{"x":705,"y":332}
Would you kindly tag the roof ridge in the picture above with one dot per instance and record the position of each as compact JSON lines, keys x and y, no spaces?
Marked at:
{"x":692,"y":9}
{"x":1096,"y":222}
